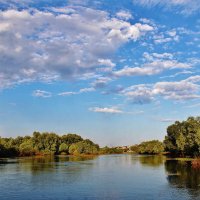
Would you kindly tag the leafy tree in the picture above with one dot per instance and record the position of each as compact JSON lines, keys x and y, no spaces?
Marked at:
{"x":71,"y":138}
{"x":151,"y":147}
{"x":135,"y":148}
{"x":63,"y":148}
{"x":26,"y":148}
{"x":83,"y":147}
{"x":183,"y":138}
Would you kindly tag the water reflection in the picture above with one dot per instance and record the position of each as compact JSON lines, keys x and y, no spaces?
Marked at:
{"x":102,"y":177}
{"x":51,"y":164}
{"x":180,"y":174}
{"x":4,"y":161}
{"x":151,"y":161}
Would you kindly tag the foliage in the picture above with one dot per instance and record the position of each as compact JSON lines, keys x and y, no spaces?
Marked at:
{"x":135,"y":148}
{"x":108,"y":150}
{"x":63,"y":148}
{"x":26,"y":148}
{"x":183,"y":138}
{"x":83,"y":147}
{"x":46,"y":143}
{"x":149,"y":147}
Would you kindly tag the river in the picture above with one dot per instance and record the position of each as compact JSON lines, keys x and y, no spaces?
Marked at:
{"x":115,"y":177}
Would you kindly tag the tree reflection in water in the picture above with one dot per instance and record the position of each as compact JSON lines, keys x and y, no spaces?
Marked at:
{"x":180,"y":174}
{"x":152,"y":160}
{"x":50,"y":163}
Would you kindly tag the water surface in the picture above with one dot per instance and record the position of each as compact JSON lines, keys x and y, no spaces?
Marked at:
{"x":105,"y":177}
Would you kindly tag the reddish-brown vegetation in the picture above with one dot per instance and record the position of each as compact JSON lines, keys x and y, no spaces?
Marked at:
{"x":196,"y":163}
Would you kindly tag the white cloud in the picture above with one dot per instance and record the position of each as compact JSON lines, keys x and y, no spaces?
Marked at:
{"x":42,"y":93}
{"x":144,"y":27}
{"x":106,"y":62}
{"x":41,"y":45}
{"x":172,"y":33}
{"x":181,"y":6}
{"x":184,"y":72}
{"x":178,"y":90}
{"x":194,"y":79}
{"x":83,"y":90}
{"x":163,"y":55}
{"x":114,"y":110}
{"x":152,"y":68}
{"x":139,"y":94}
{"x":67,"y":93}
{"x":110,"y":110}
{"x":145,"y":20}
{"x":4,"y":27}
{"x":122,"y":14}
{"x":101,"y":82}
{"x":162,"y":40}
{"x":182,"y":90}
{"x":157,"y":56}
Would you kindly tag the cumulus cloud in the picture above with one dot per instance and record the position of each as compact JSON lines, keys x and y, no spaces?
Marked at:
{"x":152,"y":68}
{"x":139,"y":94}
{"x":106,"y":62}
{"x":101,"y":82}
{"x":42,"y":93}
{"x":122,"y":14}
{"x":53,"y":45}
{"x":169,"y":36}
{"x":157,"y":56}
{"x":180,"y":91}
{"x":194,"y":79}
{"x":163,"y":55}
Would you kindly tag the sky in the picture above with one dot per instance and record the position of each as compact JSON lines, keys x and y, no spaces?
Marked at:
{"x":117,"y":72}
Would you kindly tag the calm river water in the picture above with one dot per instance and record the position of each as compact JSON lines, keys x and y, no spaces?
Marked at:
{"x":105,"y":177}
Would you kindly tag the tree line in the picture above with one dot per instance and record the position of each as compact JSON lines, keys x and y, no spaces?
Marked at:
{"x":46,"y":143}
{"x":182,"y":139}
{"x":51,"y":144}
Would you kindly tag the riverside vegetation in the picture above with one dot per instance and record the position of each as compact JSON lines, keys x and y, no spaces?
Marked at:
{"x":51,"y":144}
{"x":183,"y":139}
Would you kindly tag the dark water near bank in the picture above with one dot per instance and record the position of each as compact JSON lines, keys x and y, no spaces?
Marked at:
{"x":104,"y":177}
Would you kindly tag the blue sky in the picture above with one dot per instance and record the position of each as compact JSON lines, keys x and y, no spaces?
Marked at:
{"x":117,"y":72}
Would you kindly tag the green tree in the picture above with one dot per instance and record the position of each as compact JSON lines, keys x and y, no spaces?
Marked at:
{"x":183,"y":138}
{"x":151,"y":147}
{"x":83,"y":147}
{"x":26,"y":148}
{"x":63,"y":148}
{"x":46,"y":143}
